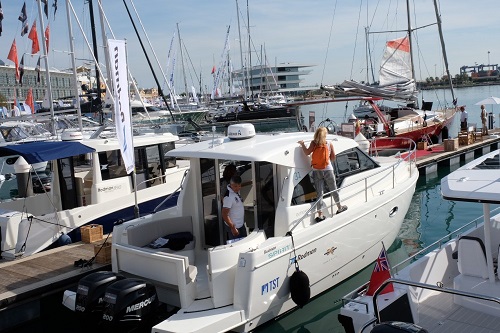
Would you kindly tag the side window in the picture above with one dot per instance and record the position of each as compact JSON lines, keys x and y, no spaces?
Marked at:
{"x":304,"y":191}
{"x":351,"y":162}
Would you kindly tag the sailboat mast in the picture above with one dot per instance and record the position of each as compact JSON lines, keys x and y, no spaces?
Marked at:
{"x":249,"y":67}
{"x":182,"y":64}
{"x":73,"y":63}
{"x":47,"y":72}
{"x":96,"y":56}
{"x":241,"y":53}
{"x":443,"y":49}
{"x":411,"y":44}
{"x":160,"y":91}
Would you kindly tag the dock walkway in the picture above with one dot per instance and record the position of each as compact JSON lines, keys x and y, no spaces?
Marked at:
{"x":429,"y":159}
{"x":46,"y":272}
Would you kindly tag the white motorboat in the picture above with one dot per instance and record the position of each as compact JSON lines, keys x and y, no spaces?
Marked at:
{"x":450,"y":286}
{"x":238,"y":286}
{"x":87,"y":184}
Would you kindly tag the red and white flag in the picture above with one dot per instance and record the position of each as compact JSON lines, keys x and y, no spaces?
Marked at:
{"x":13,"y":57}
{"x":29,"y":100}
{"x":47,"y":37}
{"x":33,"y":35}
{"x":381,"y":272}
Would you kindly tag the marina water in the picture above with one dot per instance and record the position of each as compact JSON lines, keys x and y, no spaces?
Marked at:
{"x":429,"y":218}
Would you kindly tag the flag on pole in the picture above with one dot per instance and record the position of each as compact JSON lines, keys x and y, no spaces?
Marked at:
{"x":213,"y":70}
{"x":55,"y":8}
{"x":37,"y":70}
{"x":29,"y":100}
{"x":21,"y":70}
{"x":381,"y":272}
{"x":33,"y":35}
{"x":46,"y":8}
{"x":119,"y":77}
{"x":47,"y":37}
{"x":1,"y":18}
{"x":13,"y":57}
{"x":24,"y":19}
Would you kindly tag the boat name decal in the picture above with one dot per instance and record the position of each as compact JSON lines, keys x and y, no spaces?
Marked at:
{"x":109,"y":188}
{"x":278,"y":251}
{"x":141,"y":305}
{"x":269,"y":286}
{"x":302,"y":256}
{"x":330,"y":251}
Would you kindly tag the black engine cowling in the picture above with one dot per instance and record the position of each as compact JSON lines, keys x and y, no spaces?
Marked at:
{"x":90,"y":292}
{"x":129,"y":301}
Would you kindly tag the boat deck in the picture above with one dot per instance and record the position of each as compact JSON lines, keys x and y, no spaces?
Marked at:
{"x":438,"y":314}
{"x":45,"y":272}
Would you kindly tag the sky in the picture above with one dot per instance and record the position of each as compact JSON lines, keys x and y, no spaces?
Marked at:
{"x":327,"y":34}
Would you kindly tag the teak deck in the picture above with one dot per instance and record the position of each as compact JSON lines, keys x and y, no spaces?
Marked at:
{"x":44,"y":272}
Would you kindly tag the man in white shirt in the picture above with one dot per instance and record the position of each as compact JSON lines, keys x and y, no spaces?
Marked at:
{"x":463,"y":119}
{"x":233,"y":212}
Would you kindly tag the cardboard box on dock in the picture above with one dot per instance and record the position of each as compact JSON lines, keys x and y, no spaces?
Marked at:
{"x":422,"y":145}
{"x":91,"y":233}
{"x":451,"y":144}
{"x":102,"y":251}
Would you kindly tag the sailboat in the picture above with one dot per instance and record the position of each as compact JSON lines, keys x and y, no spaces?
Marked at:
{"x":407,"y":122}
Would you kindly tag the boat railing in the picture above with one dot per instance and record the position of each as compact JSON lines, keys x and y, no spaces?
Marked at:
{"x":377,"y":151}
{"x":181,"y":185}
{"x":438,"y":288}
{"x":351,"y":297}
{"x":367,"y":185}
{"x":440,"y":242}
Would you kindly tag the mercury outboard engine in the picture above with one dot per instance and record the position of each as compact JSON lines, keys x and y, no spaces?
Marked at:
{"x":129,"y":302}
{"x":90,"y":292}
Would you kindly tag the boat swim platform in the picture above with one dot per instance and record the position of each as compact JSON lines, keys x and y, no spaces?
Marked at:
{"x":25,"y":281}
{"x":435,"y":155}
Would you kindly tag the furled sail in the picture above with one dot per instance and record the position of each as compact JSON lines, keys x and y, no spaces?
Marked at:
{"x":395,"y":76}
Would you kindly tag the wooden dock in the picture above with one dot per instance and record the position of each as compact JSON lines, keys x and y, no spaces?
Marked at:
{"x":435,"y":155}
{"x":24,"y":281}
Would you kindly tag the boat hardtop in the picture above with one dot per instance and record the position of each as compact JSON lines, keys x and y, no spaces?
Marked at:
{"x":273,"y":147}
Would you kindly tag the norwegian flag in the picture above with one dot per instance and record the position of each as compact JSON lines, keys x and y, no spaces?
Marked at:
{"x":381,"y":272}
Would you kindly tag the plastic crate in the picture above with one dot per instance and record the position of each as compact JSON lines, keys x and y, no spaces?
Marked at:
{"x":91,"y":233}
{"x":102,"y":251}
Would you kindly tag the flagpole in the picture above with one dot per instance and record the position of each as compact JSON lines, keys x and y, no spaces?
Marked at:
{"x":47,"y":71}
{"x":73,"y":63}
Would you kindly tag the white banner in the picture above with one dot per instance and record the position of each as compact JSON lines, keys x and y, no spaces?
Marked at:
{"x":119,"y":77}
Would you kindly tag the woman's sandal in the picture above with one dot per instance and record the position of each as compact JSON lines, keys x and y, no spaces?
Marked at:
{"x":342,"y":209}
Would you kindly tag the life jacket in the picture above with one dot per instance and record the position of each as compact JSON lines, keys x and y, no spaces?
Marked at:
{"x":320,"y":157}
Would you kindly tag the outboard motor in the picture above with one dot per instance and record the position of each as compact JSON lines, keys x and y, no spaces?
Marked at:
{"x":129,"y":302}
{"x":90,"y":292}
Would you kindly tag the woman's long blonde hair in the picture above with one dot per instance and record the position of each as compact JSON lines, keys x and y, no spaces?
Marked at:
{"x":320,"y":136}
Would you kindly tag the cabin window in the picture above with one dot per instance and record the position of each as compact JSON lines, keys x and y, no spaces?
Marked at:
{"x":304,"y":191}
{"x":350,"y":162}
{"x":266,"y":197}
{"x":67,"y":183}
{"x":112,"y":165}
{"x":212,"y":227}
{"x":169,"y":161}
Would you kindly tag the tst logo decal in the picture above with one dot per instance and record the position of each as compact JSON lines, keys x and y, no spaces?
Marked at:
{"x":271,"y":285}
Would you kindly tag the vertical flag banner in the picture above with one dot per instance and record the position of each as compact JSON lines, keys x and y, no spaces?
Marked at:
{"x":33,"y":35}
{"x":21,"y":70}
{"x":1,"y":18}
{"x":380,"y":274}
{"x":55,"y":8}
{"x":119,"y":77}
{"x":37,"y":70}
{"x":46,"y":8}
{"x":24,"y":19}
{"x":29,"y":100}
{"x":47,"y":37}
{"x":13,"y":57}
